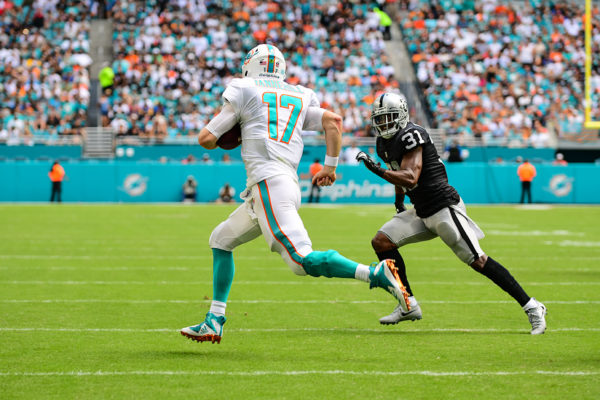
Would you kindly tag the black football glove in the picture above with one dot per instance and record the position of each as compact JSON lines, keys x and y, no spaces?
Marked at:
{"x":399,"y":203}
{"x":370,"y":163}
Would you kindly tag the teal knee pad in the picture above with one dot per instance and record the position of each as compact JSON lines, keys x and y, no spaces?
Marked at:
{"x":330,"y":264}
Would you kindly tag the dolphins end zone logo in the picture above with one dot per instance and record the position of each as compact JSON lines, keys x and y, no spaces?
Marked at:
{"x":135,"y":185}
{"x":561,"y":185}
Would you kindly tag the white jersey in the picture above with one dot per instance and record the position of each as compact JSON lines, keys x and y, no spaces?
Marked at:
{"x":272,"y":115}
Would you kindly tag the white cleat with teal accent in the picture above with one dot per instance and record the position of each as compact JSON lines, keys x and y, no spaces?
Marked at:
{"x":210,"y":330}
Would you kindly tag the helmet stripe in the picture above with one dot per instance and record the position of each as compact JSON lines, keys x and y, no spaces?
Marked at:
{"x":271,"y":59}
{"x":381,"y":100}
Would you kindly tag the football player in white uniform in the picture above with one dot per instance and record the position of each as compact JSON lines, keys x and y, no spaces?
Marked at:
{"x":272,"y":115}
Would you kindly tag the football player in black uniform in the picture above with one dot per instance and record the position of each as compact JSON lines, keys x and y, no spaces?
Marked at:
{"x":416,"y":170}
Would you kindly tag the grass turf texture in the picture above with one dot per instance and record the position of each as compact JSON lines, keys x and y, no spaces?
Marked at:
{"x":92,"y":297}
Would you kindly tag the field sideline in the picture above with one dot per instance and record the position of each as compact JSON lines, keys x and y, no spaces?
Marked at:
{"x":92,"y":298}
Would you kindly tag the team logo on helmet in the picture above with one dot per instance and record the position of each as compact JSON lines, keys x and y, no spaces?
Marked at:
{"x":250,"y":54}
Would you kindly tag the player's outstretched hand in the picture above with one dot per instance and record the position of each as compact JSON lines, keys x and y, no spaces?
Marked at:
{"x":325,"y":177}
{"x":364,"y":157}
{"x":370,"y":163}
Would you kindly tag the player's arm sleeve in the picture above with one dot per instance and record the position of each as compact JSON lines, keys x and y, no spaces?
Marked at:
{"x":223,"y":121}
{"x":234,"y":95}
{"x":314,"y":100}
{"x":314,"y":119}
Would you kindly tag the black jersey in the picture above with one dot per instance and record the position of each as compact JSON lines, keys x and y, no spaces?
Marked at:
{"x":432,"y":192}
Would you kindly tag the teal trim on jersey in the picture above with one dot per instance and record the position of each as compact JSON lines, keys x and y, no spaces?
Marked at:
{"x":274,"y":225}
{"x":271,"y":59}
{"x":270,"y":99}
{"x":330,"y":264}
{"x":296,"y":103}
{"x":223,"y":270}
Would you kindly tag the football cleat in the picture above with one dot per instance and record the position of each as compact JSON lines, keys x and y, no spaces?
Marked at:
{"x":399,"y":315}
{"x":385,"y":275}
{"x":210,"y":330}
{"x":537,"y":318}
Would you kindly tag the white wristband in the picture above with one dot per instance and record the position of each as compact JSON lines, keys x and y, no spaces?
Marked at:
{"x":331,"y":161}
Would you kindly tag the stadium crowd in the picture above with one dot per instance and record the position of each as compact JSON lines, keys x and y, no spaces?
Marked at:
{"x":507,"y":74}
{"x":502,"y":72}
{"x":174,"y":59}
{"x":44,"y":82}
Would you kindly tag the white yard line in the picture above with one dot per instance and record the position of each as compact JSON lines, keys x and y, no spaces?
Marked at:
{"x":560,"y":232}
{"x":264,"y":330}
{"x":287,"y":282}
{"x":296,"y":373}
{"x":115,"y":257}
{"x":281,"y":267}
{"x":511,"y":255}
{"x":271,"y":301}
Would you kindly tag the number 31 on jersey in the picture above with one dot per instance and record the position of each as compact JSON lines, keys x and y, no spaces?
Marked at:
{"x":411,"y":139}
{"x":274,"y":103}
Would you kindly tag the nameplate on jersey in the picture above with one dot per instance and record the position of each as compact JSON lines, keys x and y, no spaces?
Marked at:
{"x":277,"y":84}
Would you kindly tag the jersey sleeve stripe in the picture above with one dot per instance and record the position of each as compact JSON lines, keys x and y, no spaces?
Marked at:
{"x":279,"y":235}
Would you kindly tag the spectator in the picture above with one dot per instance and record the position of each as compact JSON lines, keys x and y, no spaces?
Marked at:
{"x":315,"y":190}
{"x":452,"y":153}
{"x":540,"y":136}
{"x":226,"y":194}
{"x":189,"y":190}
{"x":206,"y":159}
{"x":559,"y":159}
{"x":226,"y":159}
{"x":56,"y":175}
{"x":190,"y":159}
{"x":385,"y":23}
{"x":107,"y":78}
{"x":349,"y":155}
{"x":526,"y":172}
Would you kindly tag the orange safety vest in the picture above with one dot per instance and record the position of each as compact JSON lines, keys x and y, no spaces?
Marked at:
{"x":57,"y":173}
{"x":315,"y":168}
{"x":526,"y":172}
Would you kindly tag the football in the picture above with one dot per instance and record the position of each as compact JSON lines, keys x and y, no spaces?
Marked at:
{"x":231,"y":139}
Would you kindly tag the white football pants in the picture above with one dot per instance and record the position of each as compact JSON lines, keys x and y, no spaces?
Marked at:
{"x":451,"y":224}
{"x":271,"y":208}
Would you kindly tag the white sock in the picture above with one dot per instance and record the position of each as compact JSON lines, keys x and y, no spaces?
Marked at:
{"x":530,"y":304}
{"x":412,"y":301}
{"x":218,"y":308}
{"x":362,"y":273}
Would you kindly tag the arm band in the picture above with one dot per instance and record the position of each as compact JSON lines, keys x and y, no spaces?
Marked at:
{"x":331,"y":161}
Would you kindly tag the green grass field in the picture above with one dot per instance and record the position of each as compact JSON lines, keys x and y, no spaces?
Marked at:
{"x":92,"y":298}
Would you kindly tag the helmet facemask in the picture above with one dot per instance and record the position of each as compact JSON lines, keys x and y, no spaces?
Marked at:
{"x":389,"y":115}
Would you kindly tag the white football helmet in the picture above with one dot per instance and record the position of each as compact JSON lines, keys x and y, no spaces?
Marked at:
{"x":389,"y":114}
{"x":264,"y":61}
